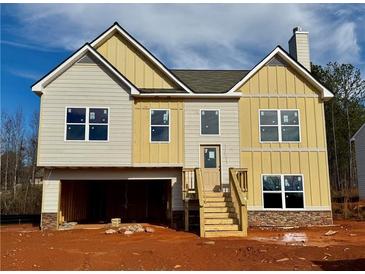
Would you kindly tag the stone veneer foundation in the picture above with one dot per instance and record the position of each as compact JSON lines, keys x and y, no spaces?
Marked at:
{"x":289,"y":218}
{"x":49,"y":221}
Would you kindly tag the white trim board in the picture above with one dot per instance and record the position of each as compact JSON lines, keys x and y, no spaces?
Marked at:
{"x":40,"y":85}
{"x":325,"y":93}
{"x":121,"y":31}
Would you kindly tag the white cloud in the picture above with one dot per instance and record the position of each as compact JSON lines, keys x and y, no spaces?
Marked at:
{"x":24,"y":73}
{"x":199,"y":36}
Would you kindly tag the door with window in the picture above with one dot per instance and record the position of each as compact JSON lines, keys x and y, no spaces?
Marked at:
{"x":210,"y":164}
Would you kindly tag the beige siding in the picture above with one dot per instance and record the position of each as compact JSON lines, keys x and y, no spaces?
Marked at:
{"x":133,"y":64}
{"x":50,"y":196}
{"x":228,"y":138}
{"x":86,"y":85}
{"x":360,"y":160}
{"x":299,"y":47}
{"x":173,"y":174}
{"x":146,"y":153}
{"x":279,"y":87}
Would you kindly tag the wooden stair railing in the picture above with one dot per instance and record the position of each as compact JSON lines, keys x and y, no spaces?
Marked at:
{"x":239,"y":187}
{"x":192,"y":189}
{"x":200,"y":192}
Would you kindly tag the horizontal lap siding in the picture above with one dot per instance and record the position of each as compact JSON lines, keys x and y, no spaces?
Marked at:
{"x":50,"y":196}
{"x":360,"y":161}
{"x":279,"y":87}
{"x":229,"y":133}
{"x":90,"y":86}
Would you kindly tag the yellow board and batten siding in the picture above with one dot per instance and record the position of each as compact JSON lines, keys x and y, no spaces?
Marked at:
{"x":147,"y":153}
{"x":133,"y":65}
{"x":280,"y":87}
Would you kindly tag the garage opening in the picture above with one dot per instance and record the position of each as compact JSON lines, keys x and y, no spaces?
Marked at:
{"x":88,"y":202}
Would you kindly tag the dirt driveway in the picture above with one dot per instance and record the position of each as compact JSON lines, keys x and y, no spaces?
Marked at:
{"x":26,"y":248}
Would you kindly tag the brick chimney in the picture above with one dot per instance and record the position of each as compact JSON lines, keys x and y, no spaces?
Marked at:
{"x":299,"y":47}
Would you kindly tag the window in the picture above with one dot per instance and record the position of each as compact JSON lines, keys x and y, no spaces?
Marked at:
{"x":75,"y":123}
{"x":160,"y":125}
{"x":283,"y":191}
{"x":279,"y":126}
{"x":209,"y":122}
{"x":98,"y":124}
{"x":90,"y":124}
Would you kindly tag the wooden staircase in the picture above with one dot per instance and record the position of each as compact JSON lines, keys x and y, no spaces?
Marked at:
{"x":220,"y":217}
{"x":220,"y":214}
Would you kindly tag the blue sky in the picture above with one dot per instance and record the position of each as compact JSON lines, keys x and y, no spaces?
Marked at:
{"x":37,"y":37}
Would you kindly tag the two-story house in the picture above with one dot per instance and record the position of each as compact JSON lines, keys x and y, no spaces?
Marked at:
{"x":123,"y":136}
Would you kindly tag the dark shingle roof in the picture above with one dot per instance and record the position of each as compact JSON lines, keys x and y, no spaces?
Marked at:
{"x":210,"y":81}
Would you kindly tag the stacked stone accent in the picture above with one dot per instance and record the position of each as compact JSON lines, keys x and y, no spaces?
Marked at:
{"x":49,"y":221}
{"x":289,"y":218}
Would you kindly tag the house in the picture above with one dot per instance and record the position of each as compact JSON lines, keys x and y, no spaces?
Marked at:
{"x":122,"y":135}
{"x":359,"y":140}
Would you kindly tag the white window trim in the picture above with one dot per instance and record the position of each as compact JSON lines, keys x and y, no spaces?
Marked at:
{"x":87,"y":124}
{"x":282,"y":191}
{"x":169,"y":126}
{"x":219,"y":121}
{"x":279,"y":125}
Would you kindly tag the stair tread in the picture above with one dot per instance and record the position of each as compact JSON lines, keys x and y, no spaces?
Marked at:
{"x":217,"y":234}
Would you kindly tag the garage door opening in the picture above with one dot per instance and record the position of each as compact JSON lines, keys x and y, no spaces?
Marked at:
{"x":90,"y":202}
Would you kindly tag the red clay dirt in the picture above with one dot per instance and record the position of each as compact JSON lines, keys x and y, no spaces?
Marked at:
{"x":27,"y":248}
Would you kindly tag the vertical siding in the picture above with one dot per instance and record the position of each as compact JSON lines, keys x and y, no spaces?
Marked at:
{"x":279,"y":87}
{"x":86,"y":85}
{"x":133,"y":64}
{"x":228,"y":138}
{"x":360,"y":161}
{"x":50,"y":196}
{"x":145,"y":152}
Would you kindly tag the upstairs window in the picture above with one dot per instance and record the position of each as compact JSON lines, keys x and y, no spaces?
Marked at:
{"x":283,"y":191}
{"x":87,"y":124}
{"x":209,"y":122}
{"x":98,"y":124}
{"x":279,"y":126}
{"x":75,"y":123}
{"x":160,"y":125}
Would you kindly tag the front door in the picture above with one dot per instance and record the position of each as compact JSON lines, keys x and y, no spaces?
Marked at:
{"x":210,"y":164}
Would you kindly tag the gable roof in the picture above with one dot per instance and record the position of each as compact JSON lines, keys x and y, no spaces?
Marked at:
{"x":210,"y":81}
{"x":117,"y":28}
{"x":48,"y":78}
{"x":325,"y":93}
{"x":358,"y":132}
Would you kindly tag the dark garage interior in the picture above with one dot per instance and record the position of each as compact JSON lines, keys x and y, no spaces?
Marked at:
{"x":89,"y":202}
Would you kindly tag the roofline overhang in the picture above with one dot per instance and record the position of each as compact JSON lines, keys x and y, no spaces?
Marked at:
{"x":187,"y":95}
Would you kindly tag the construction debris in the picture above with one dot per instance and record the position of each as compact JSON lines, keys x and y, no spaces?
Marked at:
{"x":149,"y":229}
{"x":283,"y":260}
{"x":116,"y":222}
{"x":67,"y":225}
{"x":330,"y":233}
{"x":128,"y":232}
{"x":110,"y":231}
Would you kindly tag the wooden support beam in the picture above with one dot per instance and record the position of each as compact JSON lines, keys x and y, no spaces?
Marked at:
{"x":186,"y":216}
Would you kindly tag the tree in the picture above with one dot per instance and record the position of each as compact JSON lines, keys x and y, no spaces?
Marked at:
{"x":345,"y":113}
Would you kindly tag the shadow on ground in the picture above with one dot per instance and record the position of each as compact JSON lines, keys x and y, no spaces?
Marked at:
{"x":356,"y":264}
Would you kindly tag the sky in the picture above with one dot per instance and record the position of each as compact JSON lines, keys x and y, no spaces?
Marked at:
{"x":35,"y":38}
